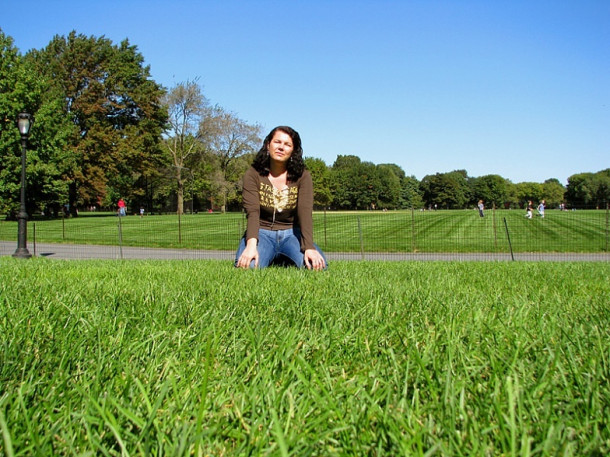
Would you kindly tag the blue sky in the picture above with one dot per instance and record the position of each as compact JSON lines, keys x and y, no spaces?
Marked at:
{"x":518,"y":88}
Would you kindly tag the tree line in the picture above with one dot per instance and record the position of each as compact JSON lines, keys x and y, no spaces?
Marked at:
{"x":104,"y":130}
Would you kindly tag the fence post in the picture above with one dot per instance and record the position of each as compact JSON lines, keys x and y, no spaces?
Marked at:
{"x":413,"y":245}
{"x":361,"y":240}
{"x":63,"y":226}
{"x":34,"y":233}
{"x":495,"y":228}
{"x":607,"y":225}
{"x":120,"y":238}
{"x":179,"y":227}
{"x":325,"y":240}
{"x":509,"y":243}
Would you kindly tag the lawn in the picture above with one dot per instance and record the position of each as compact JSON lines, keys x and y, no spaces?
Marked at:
{"x":393,"y":231}
{"x":367,"y":358}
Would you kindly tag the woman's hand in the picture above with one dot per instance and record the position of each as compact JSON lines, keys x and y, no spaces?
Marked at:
{"x":249,"y":254}
{"x":314,"y":260}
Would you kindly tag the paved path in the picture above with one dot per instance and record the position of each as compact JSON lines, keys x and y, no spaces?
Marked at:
{"x":84,"y":251}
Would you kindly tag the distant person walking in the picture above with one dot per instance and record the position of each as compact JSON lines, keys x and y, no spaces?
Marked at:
{"x":541,"y":208}
{"x":530,"y":209}
{"x":122,"y":207}
{"x":481,"y":208}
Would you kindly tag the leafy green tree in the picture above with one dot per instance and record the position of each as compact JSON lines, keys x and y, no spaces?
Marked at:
{"x":355,"y":184}
{"x":410,"y":194}
{"x":370,"y":185}
{"x":526,"y":191}
{"x":395,"y":169}
{"x":589,"y":189}
{"x":512,"y":198}
{"x":237,"y":170}
{"x":48,"y":159}
{"x":446,"y":190}
{"x":12,"y":94}
{"x":345,"y":176}
{"x":321,"y":177}
{"x":114,"y":112}
{"x":389,"y":185}
{"x":364,"y":185}
{"x":15,"y":96}
{"x":553,"y":192}
{"x":580,"y":190}
{"x":22,"y":89}
{"x":492,"y":189}
{"x":602,"y":193}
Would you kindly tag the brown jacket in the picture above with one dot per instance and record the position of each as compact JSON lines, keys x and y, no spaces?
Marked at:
{"x":270,"y":209}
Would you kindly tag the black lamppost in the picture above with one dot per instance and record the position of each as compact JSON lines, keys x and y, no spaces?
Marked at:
{"x":24,"y":122}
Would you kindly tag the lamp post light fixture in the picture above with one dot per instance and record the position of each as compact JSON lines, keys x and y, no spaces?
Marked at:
{"x":24,"y":122}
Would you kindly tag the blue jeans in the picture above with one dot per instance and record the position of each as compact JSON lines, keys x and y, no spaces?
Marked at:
{"x":278,"y":245}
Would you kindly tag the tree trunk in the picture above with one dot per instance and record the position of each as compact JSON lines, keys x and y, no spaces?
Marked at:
{"x":180,"y":203}
{"x":72,"y":196}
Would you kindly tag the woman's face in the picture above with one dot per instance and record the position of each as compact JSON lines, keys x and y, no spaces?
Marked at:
{"x":280,"y":147}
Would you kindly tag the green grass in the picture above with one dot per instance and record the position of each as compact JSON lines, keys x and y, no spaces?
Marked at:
{"x":367,"y":358}
{"x":393,"y":231}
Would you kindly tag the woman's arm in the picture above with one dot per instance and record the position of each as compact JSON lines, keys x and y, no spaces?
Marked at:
{"x":251,"y":201}
{"x":313,"y":259}
{"x":305,"y":211}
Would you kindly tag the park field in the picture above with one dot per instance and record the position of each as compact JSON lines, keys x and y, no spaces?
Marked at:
{"x":460,"y":231}
{"x":367,"y":358}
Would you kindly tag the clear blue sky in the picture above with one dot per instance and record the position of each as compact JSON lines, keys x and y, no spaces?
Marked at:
{"x":519,"y":88}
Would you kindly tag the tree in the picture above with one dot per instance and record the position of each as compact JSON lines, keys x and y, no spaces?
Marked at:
{"x":492,"y":189}
{"x":410,"y":194}
{"x":526,"y":191}
{"x":364,"y":185}
{"x":589,"y":189}
{"x":22,"y":89}
{"x":347,"y":185}
{"x":369,"y":179}
{"x":446,"y":190}
{"x":512,"y":198}
{"x":321,"y":177}
{"x":228,"y":138}
{"x":579,"y":191}
{"x":389,"y":185}
{"x":553,"y":192}
{"x":113,"y":109}
{"x":13,"y":99}
{"x":603,"y":187}
{"x":186,"y":107}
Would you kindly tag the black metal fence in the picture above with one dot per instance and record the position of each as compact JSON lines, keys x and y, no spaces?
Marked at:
{"x":577,"y":234}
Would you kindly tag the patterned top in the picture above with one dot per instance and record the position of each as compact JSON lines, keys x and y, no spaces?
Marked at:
{"x":272,"y":209}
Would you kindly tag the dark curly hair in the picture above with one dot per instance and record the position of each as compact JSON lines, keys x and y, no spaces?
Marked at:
{"x":295,"y":164}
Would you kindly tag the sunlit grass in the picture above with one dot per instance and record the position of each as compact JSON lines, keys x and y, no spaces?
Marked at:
{"x":181,"y":357}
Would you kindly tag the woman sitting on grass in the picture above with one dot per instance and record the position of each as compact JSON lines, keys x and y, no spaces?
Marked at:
{"x":278,"y":199}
